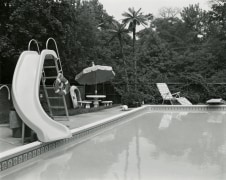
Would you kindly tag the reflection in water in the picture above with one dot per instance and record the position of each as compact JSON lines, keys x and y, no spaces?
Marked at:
{"x":165,"y":121}
{"x":56,"y":166}
{"x":189,"y":148}
{"x":44,"y":169}
{"x":138,"y":150}
{"x":180,"y":115}
{"x":215,"y":117}
{"x":167,"y":118}
{"x":126,"y":162}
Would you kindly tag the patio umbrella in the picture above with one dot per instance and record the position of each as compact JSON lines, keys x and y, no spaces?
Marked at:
{"x":94,"y":75}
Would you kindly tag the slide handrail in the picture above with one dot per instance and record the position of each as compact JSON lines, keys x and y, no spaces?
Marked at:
{"x":29,"y":44}
{"x":55,"y":45}
{"x":58,"y":56}
{"x":7,"y":90}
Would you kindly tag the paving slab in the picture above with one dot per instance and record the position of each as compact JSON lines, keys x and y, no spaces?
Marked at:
{"x":7,"y":142}
{"x":87,"y":118}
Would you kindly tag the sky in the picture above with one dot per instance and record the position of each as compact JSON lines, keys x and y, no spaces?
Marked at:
{"x":117,"y":7}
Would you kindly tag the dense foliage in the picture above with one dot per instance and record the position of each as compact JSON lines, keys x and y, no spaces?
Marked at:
{"x":187,"y":48}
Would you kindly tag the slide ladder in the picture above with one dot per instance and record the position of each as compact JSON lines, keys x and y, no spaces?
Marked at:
{"x":51,"y":68}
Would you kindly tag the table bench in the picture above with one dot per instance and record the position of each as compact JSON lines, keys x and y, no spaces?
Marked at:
{"x":107,"y":103}
{"x":85,"y":103}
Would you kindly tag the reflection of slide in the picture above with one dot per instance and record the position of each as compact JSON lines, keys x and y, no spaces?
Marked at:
{"x":25,"y":92}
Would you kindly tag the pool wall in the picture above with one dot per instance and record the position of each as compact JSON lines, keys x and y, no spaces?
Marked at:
{"x":188,"y":107}
{"x":17,"y":156}
{"x":25,"y":153}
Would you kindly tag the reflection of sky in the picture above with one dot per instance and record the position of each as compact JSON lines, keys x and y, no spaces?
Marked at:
{"x":191,"y":146}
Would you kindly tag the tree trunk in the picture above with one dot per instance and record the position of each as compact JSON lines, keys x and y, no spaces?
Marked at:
{"x":134,"y":59}
{"x":124,"y":63}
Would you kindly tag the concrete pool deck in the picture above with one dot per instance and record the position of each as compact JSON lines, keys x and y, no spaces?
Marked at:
{"x":8,"y":142}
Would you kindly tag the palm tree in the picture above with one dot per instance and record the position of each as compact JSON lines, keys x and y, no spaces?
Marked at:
{"x":119,"y":31}
{"x":134,"y":18}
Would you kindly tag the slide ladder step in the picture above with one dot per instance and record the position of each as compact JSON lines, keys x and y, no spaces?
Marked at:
{"x":60,"y":118}
{"x":49,"y":67}
{"x":49,"y":87}
{"x":50,"y":77}
{"x":57,"y":107}
{"x":55,"y":97}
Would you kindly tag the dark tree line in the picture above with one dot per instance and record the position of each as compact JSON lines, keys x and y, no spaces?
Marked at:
{"x":186,"y":46}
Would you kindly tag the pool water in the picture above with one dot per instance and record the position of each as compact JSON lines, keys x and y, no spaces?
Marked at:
{"x":154,"y":145}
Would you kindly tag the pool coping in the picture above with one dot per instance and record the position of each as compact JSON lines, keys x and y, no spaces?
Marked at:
{"x":19,"y":155}
{"x":188,"y":107}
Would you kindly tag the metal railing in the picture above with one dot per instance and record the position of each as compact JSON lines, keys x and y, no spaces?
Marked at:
{"x":29,"y":45}
{"x":5,"y":86}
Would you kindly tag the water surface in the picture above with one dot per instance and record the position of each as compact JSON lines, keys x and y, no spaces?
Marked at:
{"x":185,"y":145}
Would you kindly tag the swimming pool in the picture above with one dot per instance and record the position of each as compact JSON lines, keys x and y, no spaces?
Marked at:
{"x":151,"y":145}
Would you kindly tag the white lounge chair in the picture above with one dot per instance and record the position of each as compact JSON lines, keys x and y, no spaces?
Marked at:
{"x":218,"y":101}
{"x":167,"y":96}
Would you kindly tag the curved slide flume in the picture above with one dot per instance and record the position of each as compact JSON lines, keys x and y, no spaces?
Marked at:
{"x":25,"y":94}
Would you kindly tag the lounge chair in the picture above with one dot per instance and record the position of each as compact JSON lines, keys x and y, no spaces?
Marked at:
{"x":167,"y":96}
{"x":218,"y":101}
{"x":76,"y":98}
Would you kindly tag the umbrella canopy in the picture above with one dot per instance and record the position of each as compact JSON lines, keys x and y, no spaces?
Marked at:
{"x":95,"y":74}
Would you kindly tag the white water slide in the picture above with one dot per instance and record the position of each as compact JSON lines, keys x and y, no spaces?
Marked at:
{"x":25,"y":93}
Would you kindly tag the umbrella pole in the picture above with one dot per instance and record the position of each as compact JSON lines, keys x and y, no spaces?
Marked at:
{"x":95,"y":83}
{"x":84,"y":92}
{"x":96,"y":89}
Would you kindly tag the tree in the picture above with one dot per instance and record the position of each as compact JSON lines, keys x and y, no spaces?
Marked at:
{"x":167,"y":12}
{"x":134,"y":18}
{"x":196,"y":21}
{"x":217,"y":36}
{"x":119,"y":31}
{"x":155,"y":62}
{"x":172,"y":30}
{"x":154,"y":56}
{"x":73,"y":24}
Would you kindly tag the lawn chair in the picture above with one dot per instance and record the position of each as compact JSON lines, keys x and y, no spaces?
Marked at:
{"x":167,"y":96}
{"x":218,"y":101}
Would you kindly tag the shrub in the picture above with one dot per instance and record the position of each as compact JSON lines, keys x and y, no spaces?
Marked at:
{"x":132,"y":99}
{"x":196,"y":89}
